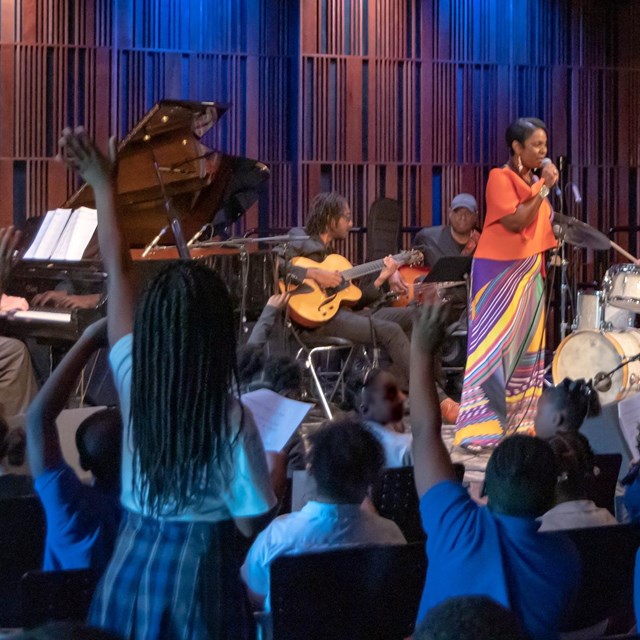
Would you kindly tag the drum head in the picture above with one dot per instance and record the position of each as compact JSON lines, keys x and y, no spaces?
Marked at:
{"x":584,"y":354}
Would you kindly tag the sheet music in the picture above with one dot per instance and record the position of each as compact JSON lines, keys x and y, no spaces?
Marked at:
{"x":629,"y":418}
{"x":63,"y":235}
{"x":277,"y":417}
{"x":85,"y":222}
{"x":42,"y":231}
{"x":50,"y":237}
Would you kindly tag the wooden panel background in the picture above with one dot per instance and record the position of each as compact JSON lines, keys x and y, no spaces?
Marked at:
{"x":401,"y":98}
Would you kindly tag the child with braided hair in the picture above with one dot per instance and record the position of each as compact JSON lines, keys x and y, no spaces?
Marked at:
{"x":576,"y":471}
{"x":193,"y":465}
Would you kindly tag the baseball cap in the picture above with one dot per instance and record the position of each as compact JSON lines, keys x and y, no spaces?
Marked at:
{"x":465,"y":200}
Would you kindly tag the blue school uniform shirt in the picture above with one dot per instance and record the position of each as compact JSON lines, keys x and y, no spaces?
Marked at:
{"x":82,"y":521}
{"x":473,"y":551}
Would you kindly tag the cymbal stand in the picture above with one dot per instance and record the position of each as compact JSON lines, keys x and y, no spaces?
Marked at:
{"x":564,"y":287}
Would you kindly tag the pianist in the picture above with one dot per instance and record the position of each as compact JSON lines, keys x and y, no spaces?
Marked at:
{"x":17,"y":382}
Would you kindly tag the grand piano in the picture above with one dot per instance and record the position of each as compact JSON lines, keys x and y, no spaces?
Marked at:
{"x":170,"y":188}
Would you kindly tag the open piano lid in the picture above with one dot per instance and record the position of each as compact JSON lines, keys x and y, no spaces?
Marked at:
{"x":204,"y":186}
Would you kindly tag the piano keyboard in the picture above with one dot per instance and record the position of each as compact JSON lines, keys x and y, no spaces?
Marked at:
{"x":37,"y":315}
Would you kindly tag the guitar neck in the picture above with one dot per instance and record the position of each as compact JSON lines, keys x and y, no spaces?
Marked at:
{"x":371,"y":267}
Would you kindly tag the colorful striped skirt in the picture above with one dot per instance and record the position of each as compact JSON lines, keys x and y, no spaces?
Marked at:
{"x":505,"y":354}
{"x":172,"y":580}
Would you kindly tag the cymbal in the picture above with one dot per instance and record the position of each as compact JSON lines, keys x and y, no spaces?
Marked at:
{"x":581,"y":234}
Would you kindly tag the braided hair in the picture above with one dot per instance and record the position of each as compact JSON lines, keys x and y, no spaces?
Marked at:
{"x":184,"y":365}
{"x":577,"y":399}
{"x":576,"y":464}
{"x":325,"y":210}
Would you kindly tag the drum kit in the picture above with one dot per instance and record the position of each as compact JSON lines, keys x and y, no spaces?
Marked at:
{"x":605,"y":344}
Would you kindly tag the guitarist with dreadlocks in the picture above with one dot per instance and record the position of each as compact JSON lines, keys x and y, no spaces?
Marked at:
{"x":330,"y":220}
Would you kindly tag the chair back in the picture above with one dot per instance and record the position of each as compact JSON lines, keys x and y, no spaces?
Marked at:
{"x":22,"y":538}
{"x":395,"y":497}
{"x":602,"y":490}
{"x":358,"y":593}
{"x":48,"y":596}
{"x":383,"y":228}
{"x":608,"y":559}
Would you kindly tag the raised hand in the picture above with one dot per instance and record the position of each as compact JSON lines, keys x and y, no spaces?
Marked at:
{"x":429,"y":331}
{"x":79,"y":153}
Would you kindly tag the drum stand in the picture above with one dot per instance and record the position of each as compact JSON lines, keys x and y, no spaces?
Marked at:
{"x":561,"y":254}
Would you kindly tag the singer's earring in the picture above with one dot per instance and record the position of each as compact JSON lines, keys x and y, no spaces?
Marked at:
{"x":519,"y":164}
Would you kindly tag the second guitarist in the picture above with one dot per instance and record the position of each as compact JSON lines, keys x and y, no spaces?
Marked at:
{"x":330,"y":220}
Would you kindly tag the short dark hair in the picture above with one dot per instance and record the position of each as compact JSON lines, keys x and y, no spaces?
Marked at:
{"x":575,"y":462}
{"x":522,"y":129}
{"x":521,"y":477}
{"x":325,"y":209}
{"x":469,"y":618}
{"x":99,"y":443}
{"x":345,"y":459}
{"x":577,"y":399}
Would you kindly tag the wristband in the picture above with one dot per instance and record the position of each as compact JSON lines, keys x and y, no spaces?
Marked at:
{"x":544,"y":191}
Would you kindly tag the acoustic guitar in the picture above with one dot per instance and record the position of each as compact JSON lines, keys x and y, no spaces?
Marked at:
{"x":311,"y":306}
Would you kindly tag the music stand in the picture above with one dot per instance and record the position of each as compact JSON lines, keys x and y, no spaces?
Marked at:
{"x":450,"y":269}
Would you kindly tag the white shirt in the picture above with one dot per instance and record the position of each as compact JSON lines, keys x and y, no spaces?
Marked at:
{"x":241,"y":489}
{"x":576,"y":514}
{"x":396,"y":446}
{"x":317,"y":527}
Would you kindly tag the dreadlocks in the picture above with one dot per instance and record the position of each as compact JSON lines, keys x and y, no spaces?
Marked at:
{"x":325,"y":210}
{"x":184,"y":365}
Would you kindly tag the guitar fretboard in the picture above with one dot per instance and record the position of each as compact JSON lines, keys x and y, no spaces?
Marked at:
{"x":371,"y":267}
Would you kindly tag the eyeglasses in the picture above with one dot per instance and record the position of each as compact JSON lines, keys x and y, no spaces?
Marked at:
{"x":346,"y":216}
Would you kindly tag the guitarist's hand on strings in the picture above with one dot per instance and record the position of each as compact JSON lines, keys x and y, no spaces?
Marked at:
{"x":325,"y":279}
{"x":390,"y":272}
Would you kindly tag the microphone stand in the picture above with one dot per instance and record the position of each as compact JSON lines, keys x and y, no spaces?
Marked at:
{"x":602,"y":376}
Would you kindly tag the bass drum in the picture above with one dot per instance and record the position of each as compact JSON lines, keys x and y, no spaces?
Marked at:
{"x":585,"y":353}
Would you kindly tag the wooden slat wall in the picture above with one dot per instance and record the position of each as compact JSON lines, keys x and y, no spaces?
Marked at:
{"x":400,"y":98}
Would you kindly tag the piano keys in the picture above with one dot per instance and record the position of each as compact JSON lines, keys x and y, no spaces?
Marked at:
{"x":48,"y":325}
{"x":163,"y":171}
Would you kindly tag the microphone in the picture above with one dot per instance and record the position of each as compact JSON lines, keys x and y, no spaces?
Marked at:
{"x":577,"y":198}
{"x":602,"y":381}
{"x":197,"y":234}
{"x":155,"y":241}
{"x":555,"y":188}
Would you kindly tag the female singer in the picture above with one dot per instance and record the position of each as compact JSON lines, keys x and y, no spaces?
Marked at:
{"x":505,"y":359}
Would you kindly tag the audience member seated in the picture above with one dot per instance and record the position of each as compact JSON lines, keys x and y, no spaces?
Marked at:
{"x":575,"y":462}
{"x":563,"y":408}
{"x":383,"y":411}
{"x":496,"y":550}
{"x":469,"y":618}
{"x":13,"y":481}
{"x":193,"y":465}
{"x":344,"y":458}
{"x":82,"y":520}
